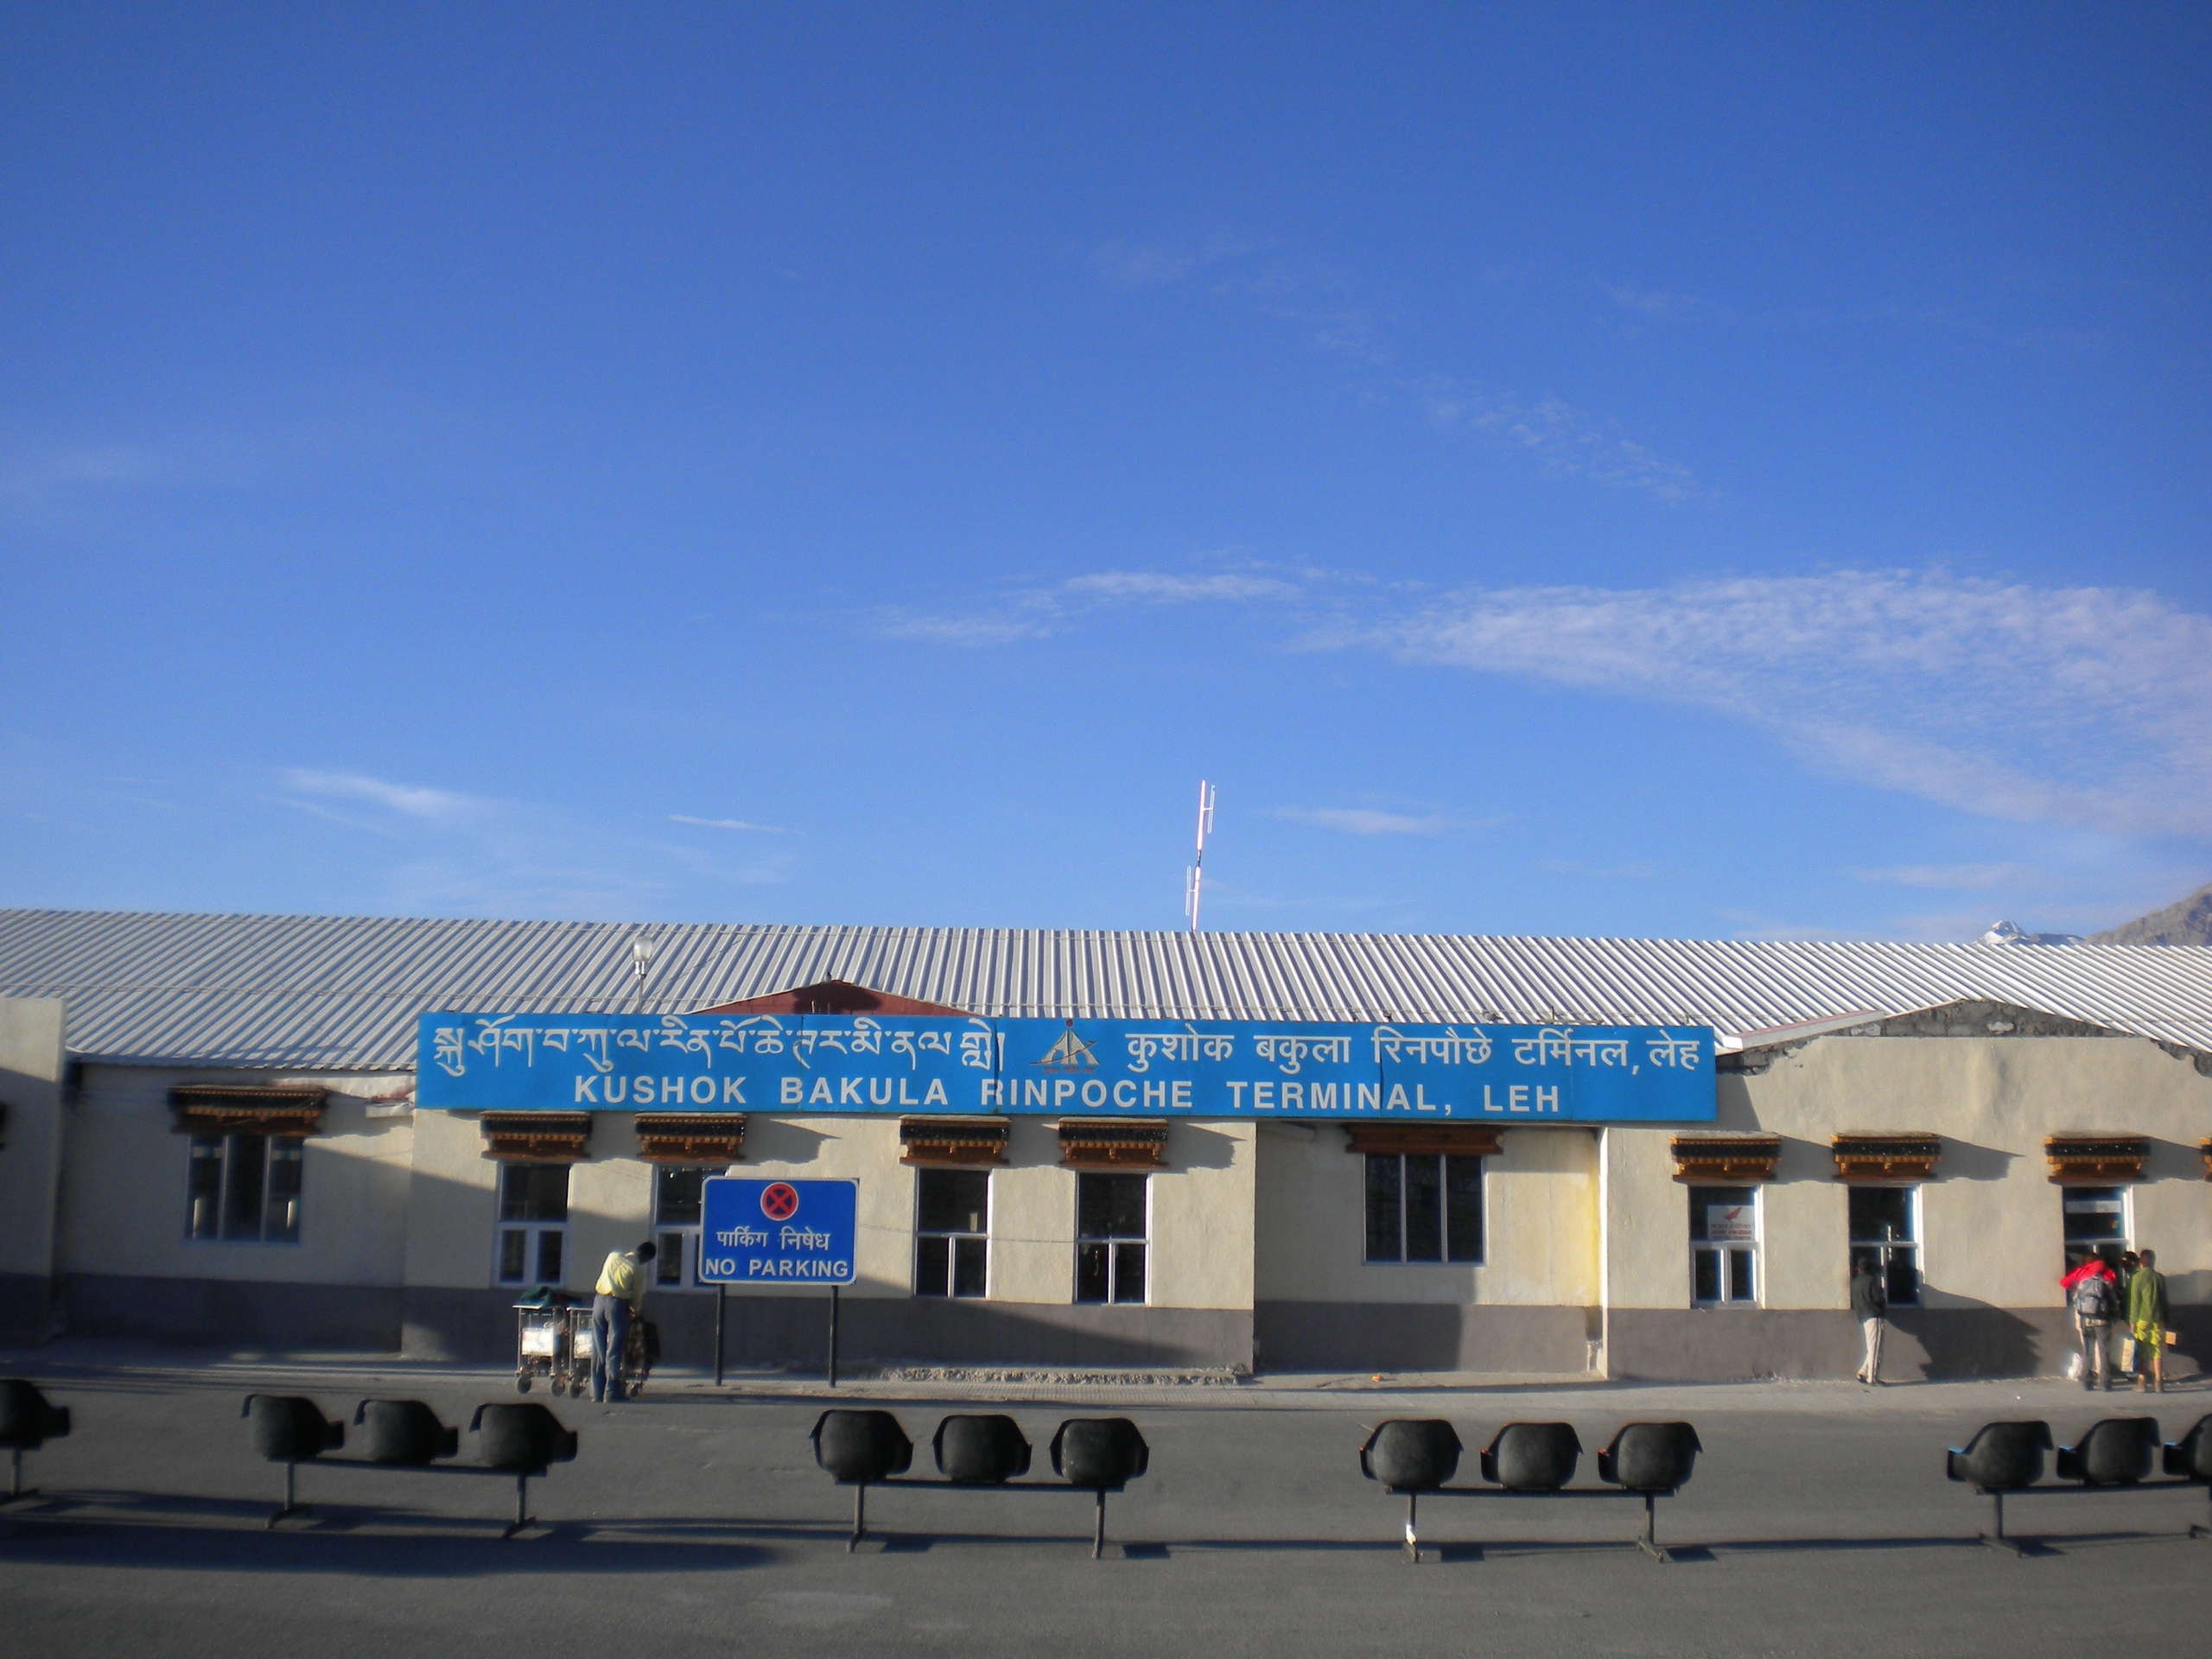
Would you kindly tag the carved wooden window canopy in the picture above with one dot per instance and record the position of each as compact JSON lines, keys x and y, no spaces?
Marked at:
{"x":2082,"y":1159}
{"x":1458,"y":1140}
{"x":1725,"y":1160}
{"x":953,"y":1143}
{"x":690,"y":1137}
{"x":536,"y":1137}
{"x":2204,"y":1149}
{"x":1113,"y":1143}
{"x":1906,"y":1155}
{"x":247,"y":1108}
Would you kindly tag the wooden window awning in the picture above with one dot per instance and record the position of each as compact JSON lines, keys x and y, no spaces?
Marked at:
{"x":953,"y":1143}
{"x":1460,"y":1140}
{"x":1909,"y":1155}
{"x":2204,"y":1148}
{"x":247,"y":1108}
{"x":1113,"y":1143}
{"x":1725,"y":1160}
{"x":690,"y":1137}
{"x":2096,"y":1159}
{"x":536,"y":1137}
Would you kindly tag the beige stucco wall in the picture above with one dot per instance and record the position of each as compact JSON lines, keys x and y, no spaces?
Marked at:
{"x":1539,"y":1224}
{"x":31,"y":1138}
{"x":1201,"y":1253}
{"x":124,"y":1185}
{"x":1991,"y":1225}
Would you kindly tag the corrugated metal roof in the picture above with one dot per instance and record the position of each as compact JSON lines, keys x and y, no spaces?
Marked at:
{"x":341,"y":993}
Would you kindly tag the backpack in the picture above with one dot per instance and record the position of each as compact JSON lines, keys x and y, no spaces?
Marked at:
{"x":2092,"y":1297}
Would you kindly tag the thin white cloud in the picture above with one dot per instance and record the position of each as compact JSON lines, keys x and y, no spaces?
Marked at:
{"x":1362,"y":821}
{"x":2087,"y":707}
{"x":444,"y":852}
{"x":1563,"y":438}
{"x":409,"y":800}
{"x":1155,"y":264}
{"x":727,"y":823}
{"x":1954,"y":878}
{"x":1041,"y":612}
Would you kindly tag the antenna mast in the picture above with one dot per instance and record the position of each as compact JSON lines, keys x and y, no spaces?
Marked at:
{"x":1196,"y":873}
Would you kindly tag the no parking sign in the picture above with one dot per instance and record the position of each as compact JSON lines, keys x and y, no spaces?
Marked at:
{"x":778,"y":1233}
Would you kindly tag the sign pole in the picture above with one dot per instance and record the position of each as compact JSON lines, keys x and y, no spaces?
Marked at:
{"x":721,"y":1296}
{"x":833,"y":1336}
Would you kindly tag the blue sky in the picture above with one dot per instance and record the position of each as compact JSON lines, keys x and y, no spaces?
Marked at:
{"x":1670,"y":471}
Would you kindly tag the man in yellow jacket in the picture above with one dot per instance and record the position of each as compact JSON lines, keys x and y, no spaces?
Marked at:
{"x":621,"y":1297}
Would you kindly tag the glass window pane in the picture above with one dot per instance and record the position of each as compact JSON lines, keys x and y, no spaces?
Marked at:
{"x":204,"y":1193}
{"x":533,"y":1192}
{"x":1385,"y":1241}
{"x":952,"y":1200}
{"x":512,"y":1243}
{"x":1109,"y":1206}
{"x":932,"y":1276}
{"x":1128,"y":1273}
{"x":286,"y":1161}
{"x":549,"y":1256}
{"x":968,"y":1258}
{"x":1740,"y":1288}
{"x":1090,"y":1273}
{"x":242,"y":1203}
{"x":1463,"y":1208}
{"x":669,"y":1251}
{"x":2095,"y":1215}
{"x":1902,"y":1282}
{"x":1707,"y":1266}
{"x":1880,"y":1214}
{"x":1424,"y":1209}
{"x":679,"y":1194}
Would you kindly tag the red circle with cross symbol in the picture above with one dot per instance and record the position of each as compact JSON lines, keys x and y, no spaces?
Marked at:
{"x":779,"y":1201}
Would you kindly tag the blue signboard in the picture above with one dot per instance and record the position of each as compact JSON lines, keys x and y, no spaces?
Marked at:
{"x":1212,"y":1069}
{"x":778,"y":1233}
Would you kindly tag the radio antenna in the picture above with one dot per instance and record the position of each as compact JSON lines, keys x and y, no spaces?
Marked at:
{"x":1196,"y":873}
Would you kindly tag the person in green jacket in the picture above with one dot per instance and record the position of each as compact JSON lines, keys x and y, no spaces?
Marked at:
{"x":2146,"y":1320}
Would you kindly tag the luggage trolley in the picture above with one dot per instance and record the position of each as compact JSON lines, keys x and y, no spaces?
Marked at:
{"x":543,"y":1346}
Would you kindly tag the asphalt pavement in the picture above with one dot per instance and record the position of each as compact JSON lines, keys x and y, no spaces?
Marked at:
{"x":695,"y":1520}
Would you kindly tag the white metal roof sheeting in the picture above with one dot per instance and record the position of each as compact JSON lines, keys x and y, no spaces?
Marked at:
{"x":341,"y":993}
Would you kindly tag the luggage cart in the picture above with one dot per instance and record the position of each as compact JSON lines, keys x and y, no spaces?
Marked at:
{"x":639,"y":1353}
{"x":541,"y":1343}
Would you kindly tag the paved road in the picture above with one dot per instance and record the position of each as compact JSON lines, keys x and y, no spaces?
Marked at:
{"x":1818,"y":1523}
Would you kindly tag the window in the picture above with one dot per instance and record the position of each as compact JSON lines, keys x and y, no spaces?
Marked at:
{"x":1885,"y":1230}
{"x":1110,"y":1234}
{"x":2096,"y":1223}
{"x":1724,"y":1245}
{"x":533,"y":1223}
{"x":679,"y":1200}
{"x":1424,"y":1207}
{"x":244,"y":1189}
{"x":952,"y":1210}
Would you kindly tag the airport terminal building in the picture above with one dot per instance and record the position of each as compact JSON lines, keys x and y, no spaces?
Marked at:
{"x":1242,"y":1151}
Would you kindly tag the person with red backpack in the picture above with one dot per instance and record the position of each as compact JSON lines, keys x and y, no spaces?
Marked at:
{"x":2092,"y":1295}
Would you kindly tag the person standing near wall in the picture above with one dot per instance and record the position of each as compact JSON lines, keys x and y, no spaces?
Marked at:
{"x":619,"y":1299}
{"x":2146,"y":1322}
{"x":1869,"y":1302}
{"x":2093,"y":1294}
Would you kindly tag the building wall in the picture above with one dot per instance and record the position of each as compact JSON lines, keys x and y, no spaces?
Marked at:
{"x":1529,"y":1305}
{"x":130,"y":1269}
{"x":31,"y":1151}
{"x":1200,"y":1251}
{"x":1992,"y":1231}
